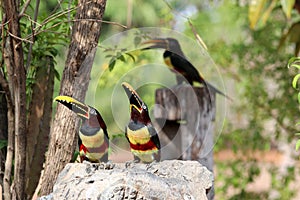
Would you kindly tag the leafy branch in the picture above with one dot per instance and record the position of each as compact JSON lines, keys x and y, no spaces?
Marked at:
{"x":116,"y":54}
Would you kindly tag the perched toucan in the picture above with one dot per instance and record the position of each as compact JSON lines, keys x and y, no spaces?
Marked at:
{"x":140,"y":133}
{"x":175,"y":59}
{"x":93,"y":140}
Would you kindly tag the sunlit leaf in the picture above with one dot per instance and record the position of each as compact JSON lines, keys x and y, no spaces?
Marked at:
{"x":267,"y":13}
{"x":297,"y":145}
{"x":292,"y":62}
{"x":299,"y":97}
{"x":295,"y":81}
{"x":254,"y":12}
{"x":287,"y":6}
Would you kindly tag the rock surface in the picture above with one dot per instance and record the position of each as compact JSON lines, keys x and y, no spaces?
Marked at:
{"x":170,"y":180}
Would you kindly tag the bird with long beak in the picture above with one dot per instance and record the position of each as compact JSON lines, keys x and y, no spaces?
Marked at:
{"x":140,"y":133}
{"x":176,"y":61}
{"x":93,"y":140}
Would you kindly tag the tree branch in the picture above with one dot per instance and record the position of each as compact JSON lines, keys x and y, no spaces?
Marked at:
{"x":36,"y":11}
{"x":26,"y":4}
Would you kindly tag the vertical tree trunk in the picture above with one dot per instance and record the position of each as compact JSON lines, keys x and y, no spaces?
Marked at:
{"x":10,"y":154}
{"x":195,"y":109}
{"x":39,"y":118}
{"x":75,"y":80}
{"x":7,"y":87}
{"x":18,"y":85}
{"x":3,"y":131}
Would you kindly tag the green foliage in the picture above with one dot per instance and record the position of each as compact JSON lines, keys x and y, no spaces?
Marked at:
{"x":260,"y":11}
{"x":263,"y":112}
{"x":3,"y":144}
{"x":237,"y":177}
{"x":295,"y":63}
{"x":49,"y":34}
{"x":282,"y":184}
{"x":114,"y":54}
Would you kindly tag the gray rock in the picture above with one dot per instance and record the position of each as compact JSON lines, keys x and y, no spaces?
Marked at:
{"x":169,"y":179}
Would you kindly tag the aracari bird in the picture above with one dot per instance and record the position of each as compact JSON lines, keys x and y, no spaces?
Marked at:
{"x":93,"y":138}
{"x":140,"y":133}
{"x":176,"y":61}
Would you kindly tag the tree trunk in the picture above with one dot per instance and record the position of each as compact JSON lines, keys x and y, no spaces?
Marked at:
{"x":188,"y":113}
{"x":18,"y":88}
{"x":39,"y":118}
{"x":7,"y":87}
{"x":3,"y":132}
{"x":75,"y":80}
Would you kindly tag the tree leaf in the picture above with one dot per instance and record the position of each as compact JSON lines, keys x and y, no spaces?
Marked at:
{"x":292,"y":62}
{"x":267,"y":13}
{"x":287,"y":6}
{"x":108,"y":56}
{"x":297,"y":145}
{"x":56,"y":74}
{"x":295,"y":81}
{"x":112,"y":64}
{"x":254,"y":12}
{"x":122,"y":58}
{"x":131,"y":56}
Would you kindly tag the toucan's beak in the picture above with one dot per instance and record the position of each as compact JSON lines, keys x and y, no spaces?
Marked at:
{"x":77,"y":107}
{"x":134,"y":99}
{"x":156,"y":43}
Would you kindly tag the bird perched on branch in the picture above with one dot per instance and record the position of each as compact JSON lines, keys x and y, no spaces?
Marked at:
{"x":140,"y":133}
{"x":93,"y":139}
{"x":175,"y":59}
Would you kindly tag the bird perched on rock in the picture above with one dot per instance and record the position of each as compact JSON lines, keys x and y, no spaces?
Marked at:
{"x":140,"y":133}
{"x":175,"y":59}
{"x":93,"y":138}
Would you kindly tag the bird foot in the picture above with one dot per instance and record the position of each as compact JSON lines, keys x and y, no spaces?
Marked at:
{"x":107,"y":165}
{"x":131,"y":162}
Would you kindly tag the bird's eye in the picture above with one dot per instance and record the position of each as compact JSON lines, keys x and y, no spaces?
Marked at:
{"x":92,"y":112}
{"x":144,"y":107}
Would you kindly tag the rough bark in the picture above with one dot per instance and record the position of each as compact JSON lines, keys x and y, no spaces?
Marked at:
{"x":75,"y":80}
{"x":39,"y":119}
{"x":7,"y":87}
{"x":18,"y":90}
{"x":9,"y":155}
{"x":3,"y":131}
{"x":191,"y":111}
{"x":171,"y":180}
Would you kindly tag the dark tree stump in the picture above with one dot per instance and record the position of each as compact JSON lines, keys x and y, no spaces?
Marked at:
{"x":184,"y":115}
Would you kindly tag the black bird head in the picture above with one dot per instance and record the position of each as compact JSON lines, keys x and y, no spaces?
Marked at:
{"x":87,"y":113}
{"x":138,"y":109}
{"x":169,"y":44}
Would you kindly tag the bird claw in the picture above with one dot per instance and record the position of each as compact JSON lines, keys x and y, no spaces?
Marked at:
{"x":129,"y":163}
{"x":107,"y":165}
